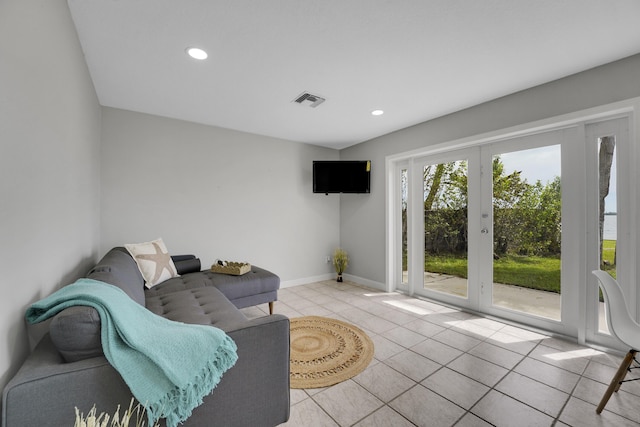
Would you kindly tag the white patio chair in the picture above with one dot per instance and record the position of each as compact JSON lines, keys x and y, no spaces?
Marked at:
{"x":622,"y":326}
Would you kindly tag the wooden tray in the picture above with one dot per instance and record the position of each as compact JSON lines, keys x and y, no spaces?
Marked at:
{"x":233,"y":268}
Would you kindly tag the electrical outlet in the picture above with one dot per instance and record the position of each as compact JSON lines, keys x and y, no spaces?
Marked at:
{"x":328,"y":259}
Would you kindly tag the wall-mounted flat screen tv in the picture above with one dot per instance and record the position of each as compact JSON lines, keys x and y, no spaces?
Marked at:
{"x":341,"y":176}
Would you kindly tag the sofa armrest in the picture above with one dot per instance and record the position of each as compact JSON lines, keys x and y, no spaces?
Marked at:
{"x":257,"y":387}
{"x":46,"y":390}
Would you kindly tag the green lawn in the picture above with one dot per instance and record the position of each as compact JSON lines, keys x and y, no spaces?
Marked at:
{"x":608,"y":255}
{"x":527,"y":271}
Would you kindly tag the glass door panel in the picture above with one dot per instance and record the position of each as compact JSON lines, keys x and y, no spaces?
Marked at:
{"x":404,"y":203}
{"x":527,"y":228}
{"x":607,"y":216}
{"x":445,"y":208}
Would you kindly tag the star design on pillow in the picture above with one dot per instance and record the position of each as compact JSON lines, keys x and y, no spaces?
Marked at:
{"x":162,"y":260}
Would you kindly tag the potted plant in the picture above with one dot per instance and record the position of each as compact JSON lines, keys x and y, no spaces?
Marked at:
{"x":340,"y":262}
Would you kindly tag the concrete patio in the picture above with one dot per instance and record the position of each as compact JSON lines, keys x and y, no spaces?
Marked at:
{"x":532,"y":301}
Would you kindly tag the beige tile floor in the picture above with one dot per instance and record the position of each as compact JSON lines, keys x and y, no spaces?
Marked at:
{"x":438,"y":366}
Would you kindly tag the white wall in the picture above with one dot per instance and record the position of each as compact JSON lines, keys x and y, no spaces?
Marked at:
{"x":216,"y":193}
{"x":49,"y":141}
{"x":362,"y":220}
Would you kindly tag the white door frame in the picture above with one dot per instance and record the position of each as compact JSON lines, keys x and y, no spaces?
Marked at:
{"x":576,"y":318}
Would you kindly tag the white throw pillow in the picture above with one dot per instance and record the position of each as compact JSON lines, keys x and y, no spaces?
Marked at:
{"x":154,"y":261}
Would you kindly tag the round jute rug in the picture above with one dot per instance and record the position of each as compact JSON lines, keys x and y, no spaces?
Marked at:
{"x":326,"y":351}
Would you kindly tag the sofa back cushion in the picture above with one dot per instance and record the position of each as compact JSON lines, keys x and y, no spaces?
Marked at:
{"x":75,"y":331}
{"x":118,"y":268}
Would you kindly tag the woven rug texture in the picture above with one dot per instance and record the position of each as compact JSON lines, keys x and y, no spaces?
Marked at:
{"x":326,"y":351}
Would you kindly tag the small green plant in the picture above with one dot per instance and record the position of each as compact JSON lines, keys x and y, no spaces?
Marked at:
{"x":340,"y":262}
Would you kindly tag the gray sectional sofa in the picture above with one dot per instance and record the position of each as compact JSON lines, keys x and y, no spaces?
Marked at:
{"x":67,"y":369}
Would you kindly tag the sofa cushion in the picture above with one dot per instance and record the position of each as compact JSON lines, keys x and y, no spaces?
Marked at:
{"x":153,"y":260}
{"x":201,"y":306}
{"x":255,"y":282}
{"x":186,"y":281}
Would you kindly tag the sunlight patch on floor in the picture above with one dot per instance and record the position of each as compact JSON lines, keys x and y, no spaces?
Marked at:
{"x":382,"y":294}
{"x":402,"y":305}
{"x":574,"y":354}
{"x":509,"y":339}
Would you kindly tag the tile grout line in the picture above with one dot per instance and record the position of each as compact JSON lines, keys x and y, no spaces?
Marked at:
{"x":493,"y":388}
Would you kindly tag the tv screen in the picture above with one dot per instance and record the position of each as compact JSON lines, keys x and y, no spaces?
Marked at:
{"x":335,"y":176}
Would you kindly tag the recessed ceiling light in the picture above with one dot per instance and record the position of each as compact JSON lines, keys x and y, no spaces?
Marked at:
{"x":377,"y":112}
{"x":197,"y":53}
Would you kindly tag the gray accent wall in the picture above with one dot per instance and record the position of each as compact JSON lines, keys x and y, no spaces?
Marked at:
{"x":362,"y":219}
{"x":49,"y":164}
{"x":216,"y":193}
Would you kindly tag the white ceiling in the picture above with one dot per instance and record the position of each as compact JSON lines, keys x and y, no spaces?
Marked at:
{"x":415,"y":59}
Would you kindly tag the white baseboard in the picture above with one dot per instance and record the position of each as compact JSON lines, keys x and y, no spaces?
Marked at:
{"x":331,"y":276}
{"x":307,"y":280}
{"x":366,"y":282}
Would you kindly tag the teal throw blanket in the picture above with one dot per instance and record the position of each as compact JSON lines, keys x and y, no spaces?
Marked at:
{"x":169,"y":366}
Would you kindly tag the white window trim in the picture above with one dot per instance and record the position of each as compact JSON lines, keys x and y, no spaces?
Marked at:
{"x":626,"y":108}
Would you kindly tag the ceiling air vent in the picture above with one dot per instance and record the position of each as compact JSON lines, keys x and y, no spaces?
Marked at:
{"x":309,"y":99}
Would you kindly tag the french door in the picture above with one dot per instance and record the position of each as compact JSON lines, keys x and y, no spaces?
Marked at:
{"x":511,"y":227}
{"x":522,"y":249}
